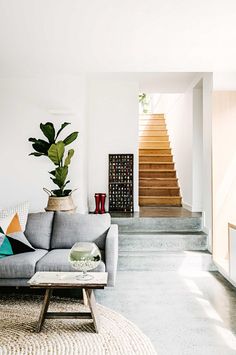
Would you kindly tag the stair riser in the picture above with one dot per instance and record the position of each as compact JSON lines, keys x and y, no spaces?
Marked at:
{"x":163,"y":262}
{"x":152,"y":133}
{"x":155,"y":201}
{"x":156,"y":166}
{"x":154,"y":138}
{"x":154,"y":145}
{"x":145,"y":127}
{"x":158,"y":191}
{"x":158,"y":183}
{"x":158,"y":242}
{"x":155,"y":122}
{"x":151,"y":116}
{"x":155,"y":151}
{"x":169,"y":224}
{"x":157,"y":174}
{"x":159,"y":159}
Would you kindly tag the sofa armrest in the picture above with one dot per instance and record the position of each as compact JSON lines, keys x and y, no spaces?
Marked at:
{"x":111,"y":254}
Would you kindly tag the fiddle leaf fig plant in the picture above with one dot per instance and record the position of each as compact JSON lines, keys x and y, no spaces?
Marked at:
{"x":54,"y":149}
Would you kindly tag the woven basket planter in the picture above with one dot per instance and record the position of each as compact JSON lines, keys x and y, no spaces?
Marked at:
{"x":63,"y":204}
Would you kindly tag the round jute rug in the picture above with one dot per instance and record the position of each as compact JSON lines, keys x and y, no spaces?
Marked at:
{"x":19,"y":315}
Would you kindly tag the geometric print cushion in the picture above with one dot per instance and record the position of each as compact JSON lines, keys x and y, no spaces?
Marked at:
{"x":12,"y":239}
{"x":21,"y":209}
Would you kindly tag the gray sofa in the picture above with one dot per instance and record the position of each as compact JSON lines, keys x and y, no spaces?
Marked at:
{"x":52,"y":235}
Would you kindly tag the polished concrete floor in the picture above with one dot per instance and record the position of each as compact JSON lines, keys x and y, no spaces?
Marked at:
{"x":190,"y":313}
{"x":183,"y":314}
{"x":158,"y":212}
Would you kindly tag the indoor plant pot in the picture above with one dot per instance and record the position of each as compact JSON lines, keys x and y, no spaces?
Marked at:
{"x":59,"y":199}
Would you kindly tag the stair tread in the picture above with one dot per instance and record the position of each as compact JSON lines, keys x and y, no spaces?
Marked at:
{"x":153,"y":233}
{"x":157,"y":197}
{"x":167,"y":252}
{"x":156,"y":162}
{"x":160,"y":179}
{"x":161,"y":148}
{"x":160,"y":188}
{"x":155,"y":155}
{"x":158,"y":170}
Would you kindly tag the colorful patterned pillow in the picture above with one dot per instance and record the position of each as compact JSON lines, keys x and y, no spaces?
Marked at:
{"x":21,"y":209}
{"x":12,"y":239}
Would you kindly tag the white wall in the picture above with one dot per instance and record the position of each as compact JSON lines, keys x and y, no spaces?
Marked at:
{"x":185,"y":122}
{"x":224,"y":172}
{"x":24,"y":103}
{"x":179,"y":125}
{"x":197,"y":146}
{"x":112,"y":128}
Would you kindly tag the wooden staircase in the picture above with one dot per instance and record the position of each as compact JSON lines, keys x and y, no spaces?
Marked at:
{"x":158,"y":184}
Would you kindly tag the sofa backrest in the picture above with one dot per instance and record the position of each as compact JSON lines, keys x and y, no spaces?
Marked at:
{"x":39,"y":229}
{"x":71,"y":228}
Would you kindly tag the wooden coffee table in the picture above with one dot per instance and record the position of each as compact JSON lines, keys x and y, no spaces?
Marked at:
{"x":56,"y":280}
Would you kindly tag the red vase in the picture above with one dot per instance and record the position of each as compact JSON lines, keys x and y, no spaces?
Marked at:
{"x":97,"y":203}
{"x":103,"y":200}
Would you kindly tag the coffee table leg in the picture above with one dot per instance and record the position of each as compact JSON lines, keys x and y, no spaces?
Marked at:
{"x":85,"y":298}
{"x":44,"y":309}
{"x":93,"y":308}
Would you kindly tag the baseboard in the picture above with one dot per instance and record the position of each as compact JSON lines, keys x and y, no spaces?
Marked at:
{"x":187,"y":206}
{"x":225,"y":274}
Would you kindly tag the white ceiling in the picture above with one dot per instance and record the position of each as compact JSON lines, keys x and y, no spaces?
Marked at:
{"x":70,"y":36}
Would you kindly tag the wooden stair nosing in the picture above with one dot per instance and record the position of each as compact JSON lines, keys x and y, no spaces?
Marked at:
{"x":156,"y":162}
{"x":152,"y":114}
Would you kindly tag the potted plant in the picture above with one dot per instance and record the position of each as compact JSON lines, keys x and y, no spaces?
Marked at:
{"x":60,"y":198}
{"x":144,"y":101}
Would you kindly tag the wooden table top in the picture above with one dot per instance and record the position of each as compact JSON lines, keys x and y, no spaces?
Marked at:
{"x":61,"y":279}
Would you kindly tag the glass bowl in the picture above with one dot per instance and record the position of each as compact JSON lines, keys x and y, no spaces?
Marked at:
{"x":83,"y":257}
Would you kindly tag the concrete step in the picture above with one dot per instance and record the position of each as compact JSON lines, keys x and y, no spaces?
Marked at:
{"x":158,"y":224}
{"x":166,"y":261}
{"x":154,"y":241}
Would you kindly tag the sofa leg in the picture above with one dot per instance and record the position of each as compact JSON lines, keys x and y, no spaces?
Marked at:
{"x":85,"y":298}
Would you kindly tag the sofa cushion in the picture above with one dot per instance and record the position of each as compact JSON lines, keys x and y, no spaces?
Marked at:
{"x":58,"y":260}
{"x":71,"y":228}
{"x":20,"y":265}
{"x":39,"y":229}
{"x":12,"y":239}
{"x":22,"y":211}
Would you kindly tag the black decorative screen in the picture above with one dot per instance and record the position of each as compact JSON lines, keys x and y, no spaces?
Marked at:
{"x":121,"y":182}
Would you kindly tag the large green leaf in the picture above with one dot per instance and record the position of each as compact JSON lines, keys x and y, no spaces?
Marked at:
{"x":60,"y":176}
{"x":70,"y":138}
{"x":41,"y":146}
{"x":69,"y":156}
{"x":37,"y":154}
{"x":56,"y":152}
{"x":62,"y":127}
{"x":49,"y":131}
{"x":53,"y":172}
